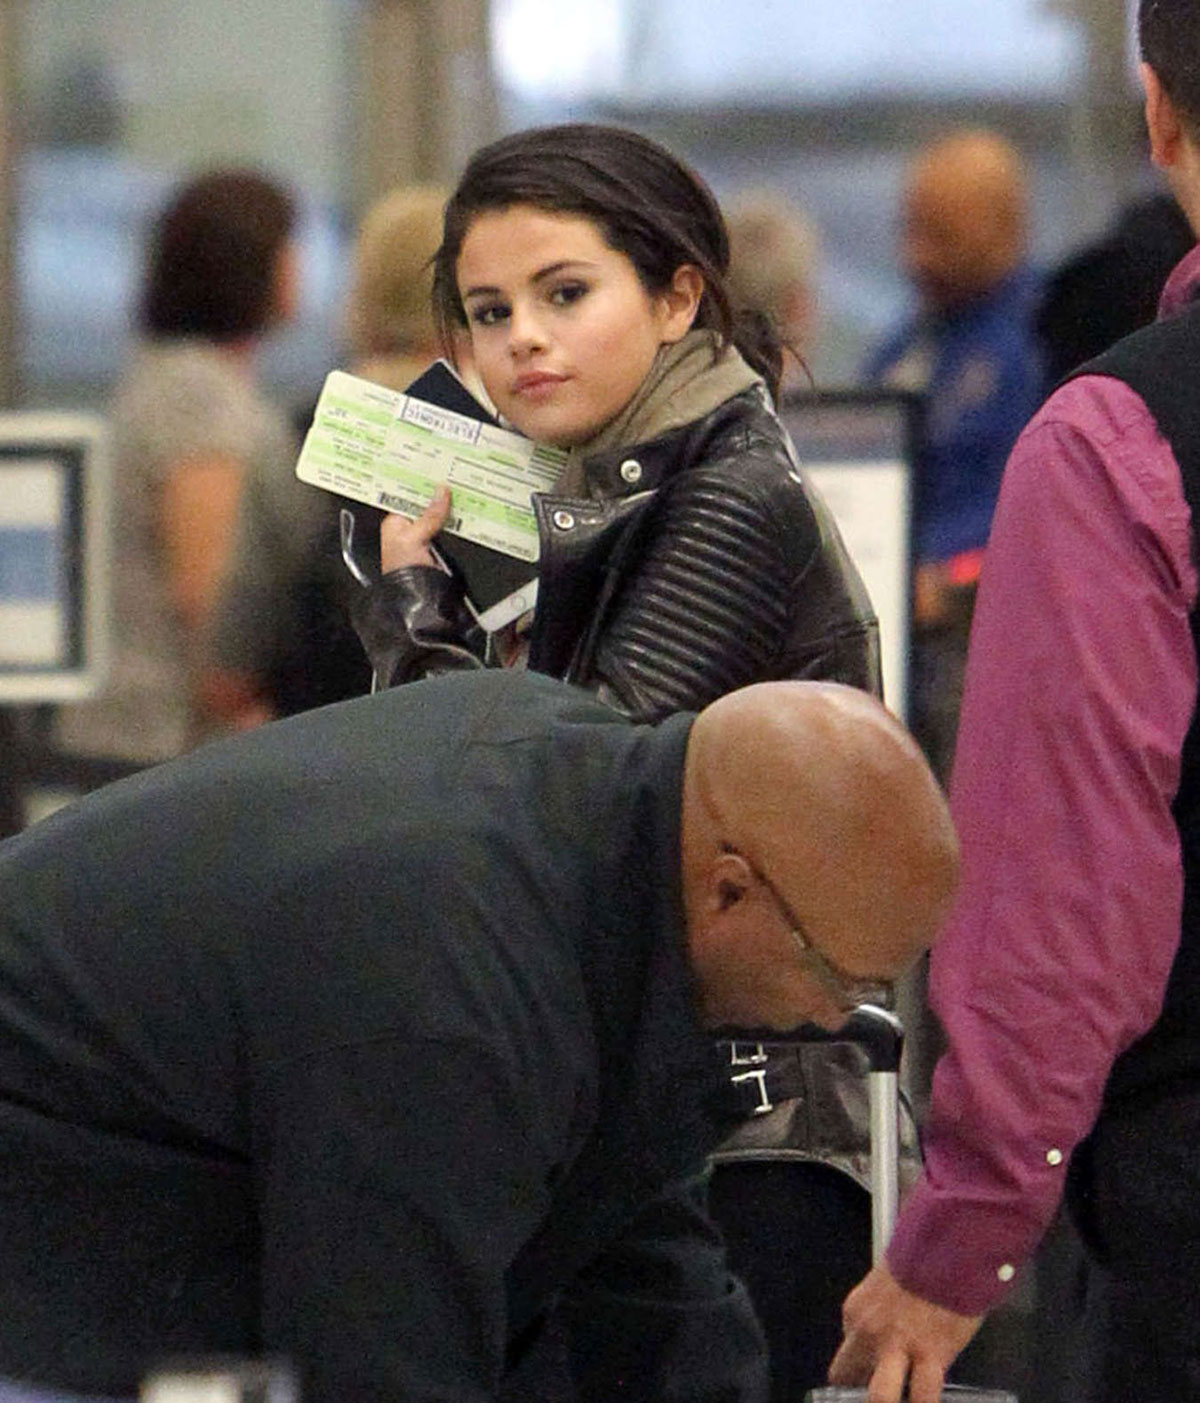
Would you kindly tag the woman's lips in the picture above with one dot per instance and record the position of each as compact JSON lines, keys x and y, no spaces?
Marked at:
{"x":536,"y":384}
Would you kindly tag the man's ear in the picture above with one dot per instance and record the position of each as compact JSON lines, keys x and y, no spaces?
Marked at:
{"x":679,"y":303}
{"x":1162,"y":120}
{"x":724,"y":882}
{"x":731,"y":879}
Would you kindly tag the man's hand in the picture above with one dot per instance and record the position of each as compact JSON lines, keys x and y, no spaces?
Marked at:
{"x":890,"y":1335}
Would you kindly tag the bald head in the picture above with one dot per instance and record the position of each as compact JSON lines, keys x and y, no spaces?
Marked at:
{"x":818,"y":789}
{"x":965,"y":216}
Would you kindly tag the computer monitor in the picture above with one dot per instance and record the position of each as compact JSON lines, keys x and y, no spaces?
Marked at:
{"x":54,"y":565}
{"x":857,"y":446}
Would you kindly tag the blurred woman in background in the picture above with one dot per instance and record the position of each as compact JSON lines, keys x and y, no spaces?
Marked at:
{"x":281,"y":639}
{"x":189,"y":421}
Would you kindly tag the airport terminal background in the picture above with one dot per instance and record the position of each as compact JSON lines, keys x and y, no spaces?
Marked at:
{"x":106,"y":104}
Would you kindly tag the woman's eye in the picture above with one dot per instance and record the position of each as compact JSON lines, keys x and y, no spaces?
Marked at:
{"x":566,"y":293}
{"x":488,"y":313}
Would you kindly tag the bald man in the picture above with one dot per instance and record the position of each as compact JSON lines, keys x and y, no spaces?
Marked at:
{"x":969,"y":348}
{"x":364,"y":1038}
{"x":964,"y":221}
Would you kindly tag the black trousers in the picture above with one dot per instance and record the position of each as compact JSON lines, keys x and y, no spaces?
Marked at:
{"x":1135,"y":1197}
{"x":799,"y":1236}
{"x":1141,"y":1340}
{"x":938,"y":659}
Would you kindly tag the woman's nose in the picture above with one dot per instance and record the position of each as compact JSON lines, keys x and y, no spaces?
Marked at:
{"x":525,"y":331}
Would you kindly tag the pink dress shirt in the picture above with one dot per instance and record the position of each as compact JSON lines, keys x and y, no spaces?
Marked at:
{"x":1081,"y":683}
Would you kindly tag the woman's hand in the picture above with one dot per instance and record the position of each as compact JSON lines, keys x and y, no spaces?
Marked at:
{"x":404,"y":542}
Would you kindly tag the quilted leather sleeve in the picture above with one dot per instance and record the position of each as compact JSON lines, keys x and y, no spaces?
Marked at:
{"x":413,"y":623}
{"x":735,"y":584}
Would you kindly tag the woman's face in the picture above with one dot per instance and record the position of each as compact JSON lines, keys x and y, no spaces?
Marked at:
{"x":562,"y":330}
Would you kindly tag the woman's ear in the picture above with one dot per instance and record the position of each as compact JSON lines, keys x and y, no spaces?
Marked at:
{"x":679,"y":303}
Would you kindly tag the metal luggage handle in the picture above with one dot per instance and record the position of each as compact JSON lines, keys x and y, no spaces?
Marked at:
{"x":881,"y":1036}
{"x":876,"y":1030}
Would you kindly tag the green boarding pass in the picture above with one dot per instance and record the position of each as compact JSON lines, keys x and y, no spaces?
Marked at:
{"x":385,"y":448}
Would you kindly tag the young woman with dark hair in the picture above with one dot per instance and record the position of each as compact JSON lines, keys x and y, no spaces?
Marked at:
{"x":683,"y":554}
{"x":645,"y":203}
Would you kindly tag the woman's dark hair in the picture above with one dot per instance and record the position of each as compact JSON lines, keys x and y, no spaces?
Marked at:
{"x":647,"y":203}
{"x":213,"y":257}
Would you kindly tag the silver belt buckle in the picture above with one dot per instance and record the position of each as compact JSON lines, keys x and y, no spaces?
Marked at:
{"x":755,"y":1058}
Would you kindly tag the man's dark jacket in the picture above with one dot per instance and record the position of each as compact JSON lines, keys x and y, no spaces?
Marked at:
{"x":355,"y":1039}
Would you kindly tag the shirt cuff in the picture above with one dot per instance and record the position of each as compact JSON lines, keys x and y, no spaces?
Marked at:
{"x":962,"y":1253}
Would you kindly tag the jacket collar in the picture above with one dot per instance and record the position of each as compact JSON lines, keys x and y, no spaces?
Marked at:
{"x":1183,"y":286}
{"x":642,"y":467}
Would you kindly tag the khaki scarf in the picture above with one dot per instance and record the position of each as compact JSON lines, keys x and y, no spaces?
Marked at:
{"x":684,"y":384}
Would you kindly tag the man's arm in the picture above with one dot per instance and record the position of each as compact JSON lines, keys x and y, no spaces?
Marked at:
{"x":255,"y":618}
{"x":659,"y":1318}
{"x":1080,"y":688}
{"x":401,"y":1178}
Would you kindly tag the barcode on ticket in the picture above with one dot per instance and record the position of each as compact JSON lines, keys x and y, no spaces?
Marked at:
{"x":411,"y":507}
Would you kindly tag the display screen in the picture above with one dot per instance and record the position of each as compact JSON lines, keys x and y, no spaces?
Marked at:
{"x":50,"y":583}
{"x":856,"y":446}
{"x":35,"y":606}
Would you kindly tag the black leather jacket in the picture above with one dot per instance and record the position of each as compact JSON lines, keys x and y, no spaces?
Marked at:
{"x":699,"y":561}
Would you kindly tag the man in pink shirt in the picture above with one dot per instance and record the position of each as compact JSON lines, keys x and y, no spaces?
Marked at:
{"x":1068,"y":980}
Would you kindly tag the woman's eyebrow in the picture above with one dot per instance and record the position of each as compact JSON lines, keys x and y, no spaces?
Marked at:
{"x":487,"y":290}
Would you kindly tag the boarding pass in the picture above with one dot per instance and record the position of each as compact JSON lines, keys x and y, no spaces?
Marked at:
{"x":388,"y":449}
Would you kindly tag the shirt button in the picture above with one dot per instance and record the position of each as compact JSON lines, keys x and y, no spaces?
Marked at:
{"x":1007,"y":1272}
{"x":565,"y":521}
{"x":631,"y":471}
{"x":1054,"y":1158}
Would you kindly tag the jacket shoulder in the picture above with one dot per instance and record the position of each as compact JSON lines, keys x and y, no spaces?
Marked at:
{"x":743,"y":453}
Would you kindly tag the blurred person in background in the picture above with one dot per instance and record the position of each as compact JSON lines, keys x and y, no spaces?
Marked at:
{"x":1068,"y":976}
{"x":282,"y":641}
{"x":1111,"y":286}
{"x":773,"y":252}
{"x":389,"y":316}
{"x":970,"y":350}
{"x":190,"y":422}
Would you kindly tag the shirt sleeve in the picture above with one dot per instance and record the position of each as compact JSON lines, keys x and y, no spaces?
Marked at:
{"x":657,"y":1317}
{"x":402,"y":1177}
{"x":193,"y":406}
{"x":1080,"y":688}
